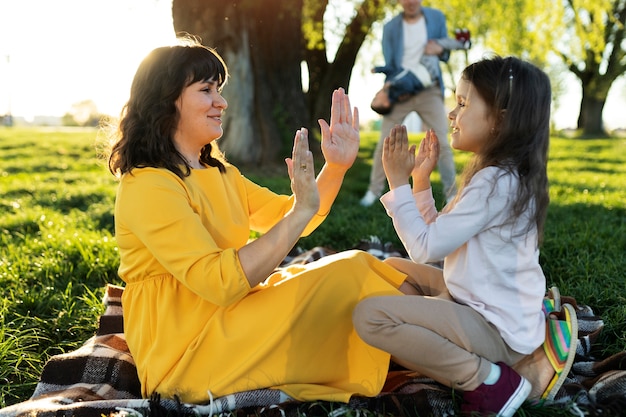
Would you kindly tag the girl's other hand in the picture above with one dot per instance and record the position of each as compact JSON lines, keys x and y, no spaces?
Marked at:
{"x":425,"y":161}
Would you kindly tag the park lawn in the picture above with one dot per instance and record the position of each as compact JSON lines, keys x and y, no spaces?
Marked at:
{"x":58,"y":250}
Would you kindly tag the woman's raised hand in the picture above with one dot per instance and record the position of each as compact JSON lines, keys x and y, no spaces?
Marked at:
{"x":341,"y":139}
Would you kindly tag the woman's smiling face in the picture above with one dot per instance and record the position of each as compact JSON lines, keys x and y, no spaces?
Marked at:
{"x":200,"y":107}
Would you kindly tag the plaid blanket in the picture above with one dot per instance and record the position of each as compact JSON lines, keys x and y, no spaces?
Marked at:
{"x":100,"y":378}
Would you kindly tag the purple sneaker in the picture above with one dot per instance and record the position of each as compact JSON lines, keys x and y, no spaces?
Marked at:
{"x":501,"y":399}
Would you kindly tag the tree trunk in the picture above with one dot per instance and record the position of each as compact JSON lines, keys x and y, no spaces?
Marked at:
{"x":261,"y":43}
{"x":595,"y":89}
{"x":590,"y":119}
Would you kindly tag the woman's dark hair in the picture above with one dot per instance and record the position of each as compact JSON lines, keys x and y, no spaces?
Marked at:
{"x":149,"y":118}
{"x":519,"y":96}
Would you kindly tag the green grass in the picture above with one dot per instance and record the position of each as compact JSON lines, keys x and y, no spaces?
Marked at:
{"x":58,"y":250}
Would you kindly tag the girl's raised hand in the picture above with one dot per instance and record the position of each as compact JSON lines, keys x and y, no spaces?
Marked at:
{"x":398,"y":158}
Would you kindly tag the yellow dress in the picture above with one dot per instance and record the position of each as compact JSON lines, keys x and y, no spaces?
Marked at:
{"x":194,"y":325}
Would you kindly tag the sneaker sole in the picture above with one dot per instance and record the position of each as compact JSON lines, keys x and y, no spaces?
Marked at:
{"x":516,"y":400}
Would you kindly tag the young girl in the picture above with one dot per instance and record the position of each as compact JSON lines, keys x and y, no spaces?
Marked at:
{"x":470,"y":322}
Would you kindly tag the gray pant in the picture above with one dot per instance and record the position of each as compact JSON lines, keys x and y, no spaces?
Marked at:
{"x":431,"y":333}
{"x":429,"y":106}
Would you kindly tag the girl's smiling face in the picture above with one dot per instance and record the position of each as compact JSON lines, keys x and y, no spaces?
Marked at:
{"x":472,"y":120}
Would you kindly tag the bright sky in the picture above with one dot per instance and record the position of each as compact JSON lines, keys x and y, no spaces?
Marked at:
{"x":55,"y":53}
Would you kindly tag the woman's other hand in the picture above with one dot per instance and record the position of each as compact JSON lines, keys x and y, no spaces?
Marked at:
{"x":302,"y":175}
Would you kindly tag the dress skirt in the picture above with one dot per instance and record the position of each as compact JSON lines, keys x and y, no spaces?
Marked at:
{"x":294,"y":333}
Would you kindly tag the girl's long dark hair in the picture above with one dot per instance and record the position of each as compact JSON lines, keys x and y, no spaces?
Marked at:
{"x":149,"y":118}
{"x":519,"y":95}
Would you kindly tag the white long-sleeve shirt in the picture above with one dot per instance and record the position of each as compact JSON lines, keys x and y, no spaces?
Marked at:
{"x":491,"y":261}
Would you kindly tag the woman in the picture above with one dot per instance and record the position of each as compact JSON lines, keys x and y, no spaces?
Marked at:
{"x":204,"y":312}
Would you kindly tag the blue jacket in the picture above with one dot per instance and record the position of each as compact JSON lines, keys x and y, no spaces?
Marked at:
{"x":393,"y":42}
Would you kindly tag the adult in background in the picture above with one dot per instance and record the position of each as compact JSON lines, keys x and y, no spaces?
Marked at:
{"x":205,"y":312}
{"x":406,"y":38}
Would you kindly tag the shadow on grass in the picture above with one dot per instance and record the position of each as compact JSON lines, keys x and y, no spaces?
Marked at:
{"x":583,"y":254}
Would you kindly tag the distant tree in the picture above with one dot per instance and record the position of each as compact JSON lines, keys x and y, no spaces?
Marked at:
{"x":83,"y":113}
{"x":267,"y":45}
{"x":596,"y":55}
{"x":68,"y":120}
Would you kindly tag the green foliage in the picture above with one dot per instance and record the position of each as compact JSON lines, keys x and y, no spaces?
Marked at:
{"x":589,"y":24}
{"x":57,"y":245}
{"x":526,"y":28}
